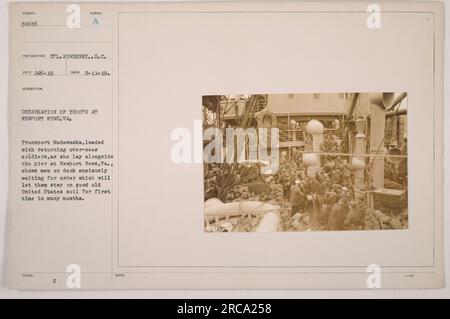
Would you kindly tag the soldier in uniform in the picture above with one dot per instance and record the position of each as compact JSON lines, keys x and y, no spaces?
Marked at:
{"x":298,"y":198}
{"x":338,"y":214}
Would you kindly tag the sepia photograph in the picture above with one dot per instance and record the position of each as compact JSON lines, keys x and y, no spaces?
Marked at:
{"x":305,"y":162}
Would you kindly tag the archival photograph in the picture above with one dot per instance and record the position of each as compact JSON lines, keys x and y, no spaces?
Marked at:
{"x":305,"y":162}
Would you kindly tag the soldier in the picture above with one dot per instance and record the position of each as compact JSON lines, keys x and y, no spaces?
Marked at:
{"x":355,"y":218}
{"x":338,"y":214}
{"x":329,"y":199}
{"x":298,"y":198}
{"x":315,"y":191}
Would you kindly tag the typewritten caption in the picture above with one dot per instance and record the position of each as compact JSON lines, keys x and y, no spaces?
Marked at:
{"x":64,"y":170}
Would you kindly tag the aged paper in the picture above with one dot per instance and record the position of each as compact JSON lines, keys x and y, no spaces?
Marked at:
{"x":226,"y":145}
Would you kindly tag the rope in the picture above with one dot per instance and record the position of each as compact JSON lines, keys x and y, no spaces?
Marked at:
{"x":351,"y":155}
